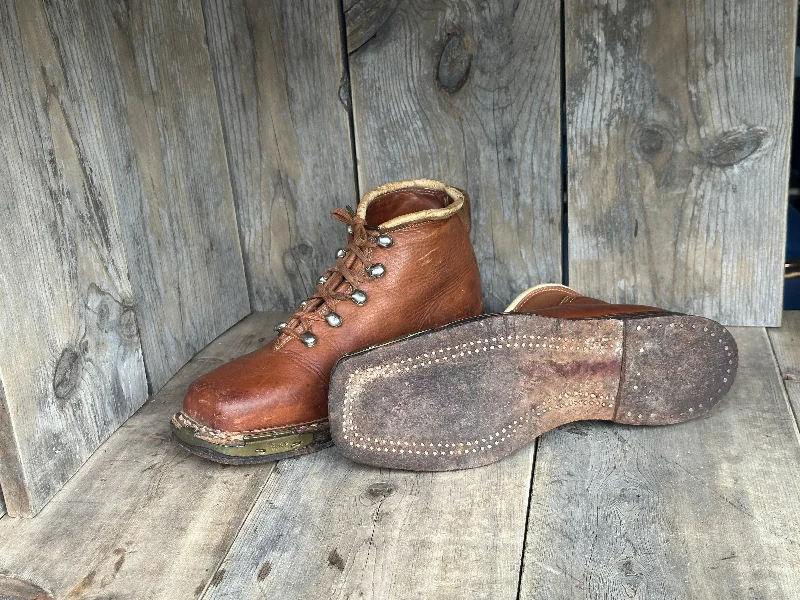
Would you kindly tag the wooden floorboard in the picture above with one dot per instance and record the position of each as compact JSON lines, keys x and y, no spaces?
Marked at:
{"x":786,"y":344}
{"x":702,"y":510}
{"x":142,"y":518}
{"x":325,"y":527}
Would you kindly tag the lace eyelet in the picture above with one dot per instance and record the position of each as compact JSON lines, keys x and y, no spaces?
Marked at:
{"x":359,"y":297}
{"x":375,"y":271}
{"x":309,"y":339}
{"x":384,"y":241}
{"x":341,"y":253}
{"x":333,"y":319}
{"x":279,"y":326}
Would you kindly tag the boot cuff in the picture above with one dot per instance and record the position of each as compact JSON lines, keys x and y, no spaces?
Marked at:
{"x":435,"y":214}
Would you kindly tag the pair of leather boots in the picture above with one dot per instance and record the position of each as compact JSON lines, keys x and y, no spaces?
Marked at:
{"x":392,"y":360}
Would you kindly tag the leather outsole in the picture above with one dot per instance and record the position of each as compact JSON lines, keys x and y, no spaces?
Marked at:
{"x":473,"y":392}
{"x":252,"y":447}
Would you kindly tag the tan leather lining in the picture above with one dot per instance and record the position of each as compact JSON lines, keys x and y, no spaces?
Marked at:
{"x":437,"y":214}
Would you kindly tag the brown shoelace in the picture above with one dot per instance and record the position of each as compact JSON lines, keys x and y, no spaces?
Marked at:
{"x":351,"y":268}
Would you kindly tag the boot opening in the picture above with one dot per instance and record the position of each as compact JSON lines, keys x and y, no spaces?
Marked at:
{"x":404,"y":202}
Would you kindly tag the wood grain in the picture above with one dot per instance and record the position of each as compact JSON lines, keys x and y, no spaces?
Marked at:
{"x":469,"y":93}
{"x":364,"y":18}
{"x":786,"y":344}
{"x":703,"y":510}
{"x":327,"y":528}
{"x":71,"y":367}
{"x":284,"y":100}
{"x":151,"y":75}
{"x":143,"y":518}
{"x":678,"y":127}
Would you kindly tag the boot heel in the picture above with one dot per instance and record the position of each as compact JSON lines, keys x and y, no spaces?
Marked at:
{"x":675,"y":368}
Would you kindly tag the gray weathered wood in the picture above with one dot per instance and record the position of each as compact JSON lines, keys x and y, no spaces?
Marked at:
{"x":283,"y":95}
{"x":143,"y":518}
{"x":706,"y":509}
{"x":786,"y":343}
{"x":469,"y":93}
{"x":678,"y":126}
{"x":327,"y":528}
{"x":364,"y":18}
{"x":793,"y":389}
{"x":151,"y":75}
{"x":71,"y":362}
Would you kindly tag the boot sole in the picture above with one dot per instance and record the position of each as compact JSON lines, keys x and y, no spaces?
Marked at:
{"x":473,"y":392}
{"x":251,"y":447}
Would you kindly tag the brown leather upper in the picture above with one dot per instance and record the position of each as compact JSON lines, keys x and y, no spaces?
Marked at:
{"x":431,"y":279}
{"x":559,"y":301}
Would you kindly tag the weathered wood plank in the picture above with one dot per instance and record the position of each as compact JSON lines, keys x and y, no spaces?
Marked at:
{"x":786,"y":344}
{"x":706,"y":509}
{"x":327,"y":528}
{"x":143,"y":518}
{"x":284,"y":100}
{"x":793,"y":389}
{"x":151,"y":75}
{"x":678,"y":127}
{"x":71,"y":362}
{"x":364,"y":18}
{"x":469,"y":93}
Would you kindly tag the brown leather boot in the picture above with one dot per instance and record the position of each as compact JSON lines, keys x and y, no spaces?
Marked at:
{"x":472,"y":392}
{"x":408,"y":265}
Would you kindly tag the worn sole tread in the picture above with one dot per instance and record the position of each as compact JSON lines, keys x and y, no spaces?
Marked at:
{"x":473,"y":392}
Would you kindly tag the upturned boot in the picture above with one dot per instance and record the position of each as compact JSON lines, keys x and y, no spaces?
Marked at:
{"x":408,"y":265}
{"x":473,"y":392}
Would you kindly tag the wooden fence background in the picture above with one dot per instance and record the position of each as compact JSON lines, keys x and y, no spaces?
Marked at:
{"x":168,"y":166}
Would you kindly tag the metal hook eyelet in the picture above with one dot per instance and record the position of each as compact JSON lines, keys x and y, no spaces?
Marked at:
{"x":333,"y":319}
{"x":376,"y":270}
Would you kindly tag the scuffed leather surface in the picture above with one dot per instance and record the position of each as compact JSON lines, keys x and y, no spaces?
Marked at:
{"x":431,"y":279}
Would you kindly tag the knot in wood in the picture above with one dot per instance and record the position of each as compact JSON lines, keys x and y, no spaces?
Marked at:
{"x":652,"y":140}
{"x":68,"y":373}
{"x":734,"y":146}
{"x":455,"y":62}
{"x":380,"y":489}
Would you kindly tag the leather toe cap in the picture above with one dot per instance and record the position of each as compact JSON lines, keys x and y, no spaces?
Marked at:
{"x":249,"y":395}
